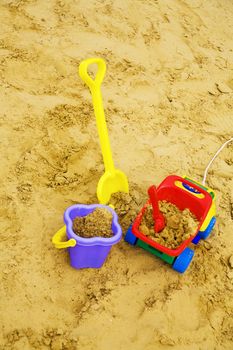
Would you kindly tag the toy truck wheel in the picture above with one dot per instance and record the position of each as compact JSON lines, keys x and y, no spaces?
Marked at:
{"x":129,"y":237}
{"x":206,"y":233}
{"x":183,"y":261}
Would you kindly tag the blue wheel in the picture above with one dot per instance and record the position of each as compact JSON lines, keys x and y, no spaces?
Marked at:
{"x":206,"y":233}
{"x":183,"y":260}
{"x":129,"y":237}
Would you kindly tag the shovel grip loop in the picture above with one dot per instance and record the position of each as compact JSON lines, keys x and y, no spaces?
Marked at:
{"x":84,"y":75}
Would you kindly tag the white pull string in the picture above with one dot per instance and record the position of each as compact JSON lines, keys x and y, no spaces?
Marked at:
{"x":216,"y":154}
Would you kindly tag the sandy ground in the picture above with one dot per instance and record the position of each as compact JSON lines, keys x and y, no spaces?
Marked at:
{"x":168,"y":95}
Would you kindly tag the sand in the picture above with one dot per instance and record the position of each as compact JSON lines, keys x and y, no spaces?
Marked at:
{"x":179,"y":225}
{"x":96,"y":224}
{"x":168,"y":95}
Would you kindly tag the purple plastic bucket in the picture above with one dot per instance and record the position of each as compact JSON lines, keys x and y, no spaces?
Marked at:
{"x":90,"y":252}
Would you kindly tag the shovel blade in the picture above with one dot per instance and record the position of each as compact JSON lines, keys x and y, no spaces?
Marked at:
{"x":159,"y":223}
{"x":111,"y":182}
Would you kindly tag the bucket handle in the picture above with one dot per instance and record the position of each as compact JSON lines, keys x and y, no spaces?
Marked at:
{"x":58,"y":238}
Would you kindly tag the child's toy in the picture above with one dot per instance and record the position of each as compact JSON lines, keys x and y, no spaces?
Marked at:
{"x":113,"y":180}
{"x":86,"y":252}
{"x":184,"y":193}
{"x":92,"y":252}
{"x":158,"y":217}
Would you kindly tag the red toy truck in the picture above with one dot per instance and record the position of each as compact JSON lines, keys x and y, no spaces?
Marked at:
{"x":184,"y":193}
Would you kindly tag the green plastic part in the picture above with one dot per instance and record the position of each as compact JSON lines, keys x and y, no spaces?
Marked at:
{"x":201,"y":186}
{"x":169,"y":259}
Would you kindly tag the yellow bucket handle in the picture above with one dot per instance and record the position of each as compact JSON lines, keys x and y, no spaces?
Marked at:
{"x":58,"y":238}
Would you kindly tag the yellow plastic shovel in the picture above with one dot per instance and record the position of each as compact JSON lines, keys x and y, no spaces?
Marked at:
{"x":113,"y":180}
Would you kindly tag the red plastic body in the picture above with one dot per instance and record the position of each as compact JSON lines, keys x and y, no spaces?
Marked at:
{"x":169,"y":191}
